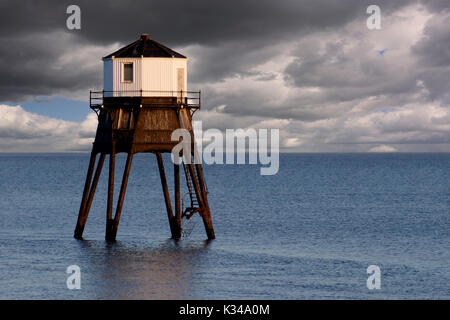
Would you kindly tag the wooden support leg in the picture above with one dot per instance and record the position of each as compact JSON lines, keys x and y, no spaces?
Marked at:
{"x":173,"y":227}
{"x":204,"y":208}
{"x":111,"y":236}
{"x":207,"y":220}
{"x":98,"y":171}
{"x":176,"y":170}
{"x":82,"y":216}
{"x":109,"y":219}
{"x":201,"y":183}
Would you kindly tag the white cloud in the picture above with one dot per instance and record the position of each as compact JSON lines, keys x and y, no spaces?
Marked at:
{"x":383,"y":148}
{"x":292,"y":142}
{"x":23,"y":131}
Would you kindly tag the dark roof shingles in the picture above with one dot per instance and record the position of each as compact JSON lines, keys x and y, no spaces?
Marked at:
{"x":145,"y":47}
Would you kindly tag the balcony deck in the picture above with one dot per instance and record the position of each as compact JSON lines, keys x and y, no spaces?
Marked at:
{"x":145,"y":98}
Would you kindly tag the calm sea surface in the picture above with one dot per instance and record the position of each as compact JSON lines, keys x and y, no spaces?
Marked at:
{"x":309,"y":232}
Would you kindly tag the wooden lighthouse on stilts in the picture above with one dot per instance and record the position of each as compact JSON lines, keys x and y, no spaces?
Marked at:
{"x":143,"y":101}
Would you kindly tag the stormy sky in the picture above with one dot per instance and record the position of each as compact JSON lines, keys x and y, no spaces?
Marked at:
{"x":310,"y":68}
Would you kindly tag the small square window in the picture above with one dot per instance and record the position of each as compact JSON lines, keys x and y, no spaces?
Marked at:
{"x":128,"y":72}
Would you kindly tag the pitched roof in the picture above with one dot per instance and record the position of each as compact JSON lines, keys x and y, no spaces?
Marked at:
{"x":145,"y":47}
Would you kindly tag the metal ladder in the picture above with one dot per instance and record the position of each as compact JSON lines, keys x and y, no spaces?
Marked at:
{"x":191,"y":191}
{"x":188,"y":224}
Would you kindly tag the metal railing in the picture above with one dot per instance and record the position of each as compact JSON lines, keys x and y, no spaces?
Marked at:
{"x":190,"y":99}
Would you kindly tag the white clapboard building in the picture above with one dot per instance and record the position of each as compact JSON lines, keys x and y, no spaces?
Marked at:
{"x":144,"y":68}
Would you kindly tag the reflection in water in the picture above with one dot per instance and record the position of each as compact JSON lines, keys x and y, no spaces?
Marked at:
{"x":125,"y":271}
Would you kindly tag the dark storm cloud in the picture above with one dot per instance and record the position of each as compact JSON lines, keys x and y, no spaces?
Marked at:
{"x":433,"y":51}
{"x":230,"y":60}
{"x":345,"y":76}
{"x":434,"y":47}
{"x":235,"y":35}
{"x":30,"y":67}
{"x":437,"y":83}
{"x":437,"y":5}
{"x":209,"y":22}
{"x":185,"y":22}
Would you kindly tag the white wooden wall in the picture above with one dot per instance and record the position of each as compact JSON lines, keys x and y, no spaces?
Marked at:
{"x":160,"y":74}
{"x":150,"y":74}
{"x":127,"y":88}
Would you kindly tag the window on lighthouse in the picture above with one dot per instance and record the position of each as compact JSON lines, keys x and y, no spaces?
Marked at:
{"x":128,"y":72}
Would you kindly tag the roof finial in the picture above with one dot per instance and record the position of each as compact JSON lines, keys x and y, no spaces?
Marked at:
{"x":145,"y":36}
